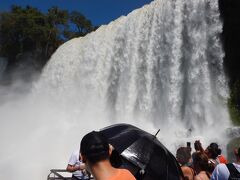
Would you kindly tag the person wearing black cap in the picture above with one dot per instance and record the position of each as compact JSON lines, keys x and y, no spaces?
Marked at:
{"x":95,"y":152}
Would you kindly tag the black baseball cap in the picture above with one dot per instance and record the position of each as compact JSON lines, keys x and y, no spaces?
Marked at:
{"x":95,"y":147}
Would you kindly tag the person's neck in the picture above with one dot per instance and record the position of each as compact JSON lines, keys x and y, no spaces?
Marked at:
{"x":103,"y":170}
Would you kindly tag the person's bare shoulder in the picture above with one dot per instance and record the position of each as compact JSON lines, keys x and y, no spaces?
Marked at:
{"x":188,"y":172}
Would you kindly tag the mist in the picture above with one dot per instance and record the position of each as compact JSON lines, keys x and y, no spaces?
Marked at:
{"x":38,"y":133}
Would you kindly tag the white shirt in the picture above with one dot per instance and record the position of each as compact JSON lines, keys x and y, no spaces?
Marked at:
{"x":221,"y":172}
{"x":73,"y":161}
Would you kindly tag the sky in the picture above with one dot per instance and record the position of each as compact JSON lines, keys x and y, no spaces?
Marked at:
{"x":98,"y":11}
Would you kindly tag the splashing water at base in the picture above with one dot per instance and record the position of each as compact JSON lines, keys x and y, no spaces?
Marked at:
{"x":159,"y":67}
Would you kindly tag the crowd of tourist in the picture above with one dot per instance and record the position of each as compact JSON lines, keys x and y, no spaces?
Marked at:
{"x":207,"y":164}
{"x":196,"y":164}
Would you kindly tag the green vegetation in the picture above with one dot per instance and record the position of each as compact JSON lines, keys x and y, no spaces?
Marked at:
{"x":231,"y":27}
{"x":233,"y":103}
{"x":233,"y":143}
{"x":26,"y":31}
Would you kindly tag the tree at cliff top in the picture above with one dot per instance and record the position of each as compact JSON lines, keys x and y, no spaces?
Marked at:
{"x":28,"y":30}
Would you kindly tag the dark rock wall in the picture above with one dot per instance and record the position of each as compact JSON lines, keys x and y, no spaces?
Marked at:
{"x":230,"y":12}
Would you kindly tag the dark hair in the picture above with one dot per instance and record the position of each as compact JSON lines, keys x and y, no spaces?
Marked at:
{"x":115,"y":159}
{"x":237,"y":152}
{"x":183,"y":155}
{"x":95,"y":147}
{"x":214,"y":150}
{"x":200,"y":160}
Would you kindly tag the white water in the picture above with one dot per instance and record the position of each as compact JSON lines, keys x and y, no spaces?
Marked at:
{"x":159,"y":67}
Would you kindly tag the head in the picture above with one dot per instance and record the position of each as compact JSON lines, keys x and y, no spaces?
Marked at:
{"x":94,"y":148}
{"x":200,"y":161}
{"x":213,"y":151}
{"x":183,"y":155}
{"x":237,"y":153}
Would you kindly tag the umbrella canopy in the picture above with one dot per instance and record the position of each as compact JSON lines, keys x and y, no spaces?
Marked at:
{"x":142,"y":153}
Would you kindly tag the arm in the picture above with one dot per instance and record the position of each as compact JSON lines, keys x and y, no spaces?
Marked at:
{"x":73,"y":168}
{"x":73,"y":163}
{"x":198,"y":146}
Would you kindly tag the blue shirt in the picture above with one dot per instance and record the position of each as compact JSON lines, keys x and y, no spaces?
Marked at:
{"x":221,"y":172}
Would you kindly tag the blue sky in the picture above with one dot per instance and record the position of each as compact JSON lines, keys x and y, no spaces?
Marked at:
{"x":98,"y":11}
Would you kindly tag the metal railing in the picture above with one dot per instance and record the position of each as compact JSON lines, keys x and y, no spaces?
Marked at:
{"x":55,"y":174}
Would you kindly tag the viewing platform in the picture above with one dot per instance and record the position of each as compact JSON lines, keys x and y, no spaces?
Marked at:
{"x":60,"y":174}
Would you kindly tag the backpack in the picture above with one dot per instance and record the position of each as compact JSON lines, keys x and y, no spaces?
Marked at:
{"x":234,"y":173}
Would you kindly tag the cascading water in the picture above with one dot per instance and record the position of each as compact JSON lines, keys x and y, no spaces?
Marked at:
{"x":159,"y":67}
{"x":162,"y":64}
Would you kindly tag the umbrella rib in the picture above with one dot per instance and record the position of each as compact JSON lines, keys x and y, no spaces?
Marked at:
{"x":156,"y":133}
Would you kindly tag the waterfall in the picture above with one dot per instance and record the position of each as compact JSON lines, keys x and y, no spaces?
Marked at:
{"x":162,"y":64}
{"x":160,"y":67}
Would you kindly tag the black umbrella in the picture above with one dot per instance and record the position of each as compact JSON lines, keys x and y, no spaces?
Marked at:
{"x":142,"y":153}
